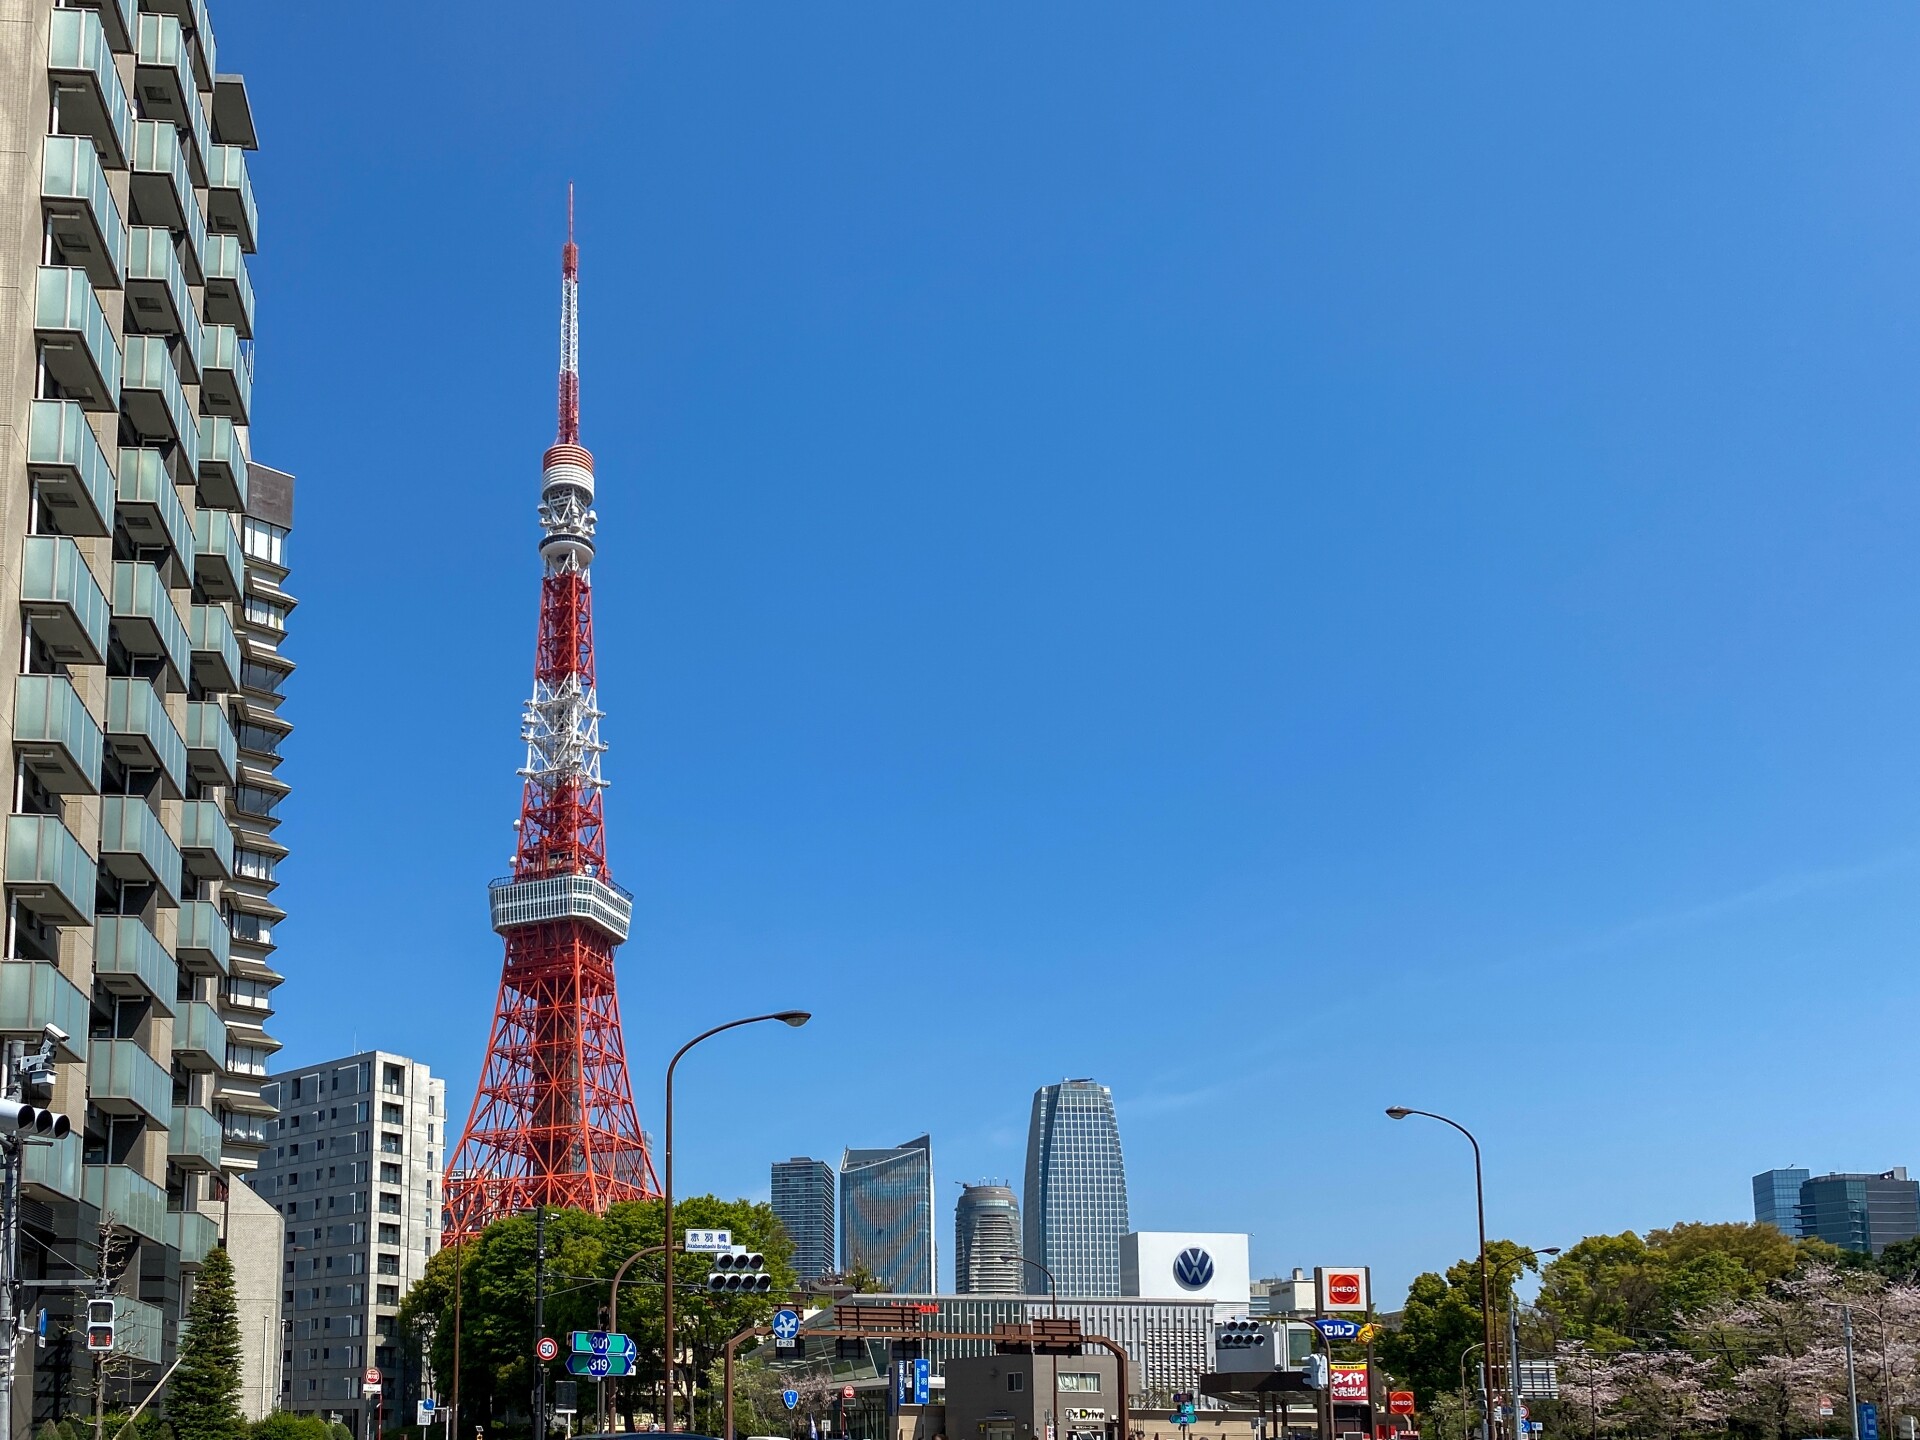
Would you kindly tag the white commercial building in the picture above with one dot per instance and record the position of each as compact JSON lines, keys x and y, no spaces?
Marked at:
{"x":1188,"y":1265}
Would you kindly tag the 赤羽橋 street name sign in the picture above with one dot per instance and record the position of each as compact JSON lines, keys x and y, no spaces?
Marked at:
{"x":599,"y":1342}
{"x":600,"y":1367}
{"x":1337,"y":1329}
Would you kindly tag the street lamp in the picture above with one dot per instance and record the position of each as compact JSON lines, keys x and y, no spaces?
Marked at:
{"x":795,"y":1018}
{"x":1053,"y":1361}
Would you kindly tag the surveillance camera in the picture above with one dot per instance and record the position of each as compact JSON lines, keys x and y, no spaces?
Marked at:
{"x":55,"y":1033}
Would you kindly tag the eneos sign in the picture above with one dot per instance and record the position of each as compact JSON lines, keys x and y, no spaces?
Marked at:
{"x":1342,"y":1287}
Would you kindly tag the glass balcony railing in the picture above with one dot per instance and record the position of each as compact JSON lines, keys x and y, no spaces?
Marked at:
{"x":206,"y":839}
{"x":66,"y":462}
{"x":223,"y":464}
{"x":144,"y":618}
{"x":229,"y":287}
{"x":230,"y":207}
{"x":162,"y":69}
{"x":59,"y":596}
{"x":212,"y":748}
{"x":218,"y":563}
{"x":191,"y":1233}
{"x":199,"y":1037}
{"x":123,"y":1079}
{"x":55,"y":736}
{"x":76,"y":343}
{"x":226,"y":385}
{"x":34,"y":996}
{"x":81,"y":209}
{"x":142,"y":735}
{"x":129,"y":960}
{"x":133,"y":1201}
{"x":150,"y":509}
{"x":51,"y":1171}
{"x":134,"y":845}
{"x":140,"y":1330}
{"x":246,"y":1130}
{"x":48,"y":871}
{"x":216,"y":653}
{"x":162,"y":186}
{"x":93,"y":102}
{"x":157,"y":293}
{"x":117,"y":19}
{"x":204,"y":944}
{"x":151,"y":398}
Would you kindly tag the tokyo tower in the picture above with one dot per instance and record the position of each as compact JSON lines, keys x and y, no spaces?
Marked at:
{"x":553,"y":1121}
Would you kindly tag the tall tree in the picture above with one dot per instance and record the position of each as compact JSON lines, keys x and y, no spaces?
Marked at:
{"x":203,"y":1400}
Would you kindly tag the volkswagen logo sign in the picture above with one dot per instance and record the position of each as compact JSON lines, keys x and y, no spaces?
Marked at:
{"x":1193,"y":1268}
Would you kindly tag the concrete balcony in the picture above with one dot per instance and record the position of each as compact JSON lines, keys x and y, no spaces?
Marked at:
{"x":134,"y":1201}
{"x":76,"y":343}
{"x":80,"y":210}
{"x":218,"y":563}
{"x":229,"y":287}
{"x":130,"y":961}
{"x":65,"y":461}
{"x":223,"y":465}
{"x":59,"y":595}
{"x":55,"y":736}
{"x":199,"y":1037}
{"x":141,"y":736}
{"x":226,"y":374}
{"x":135,"y":846}
{"x":150,"y":508}
{"x":162,"y":188}
{"x":216,"y":652}
{"x":122,"y":1079}
{"x":48,"y":871}
{"x":206,"y":840}
{"x":157,"y":297}
{"x":145,"y":621}
{"x":92,"y":100}
{"x":204,"y":943}
{"x":233,"y":113}
{"x":193,"y":1234}
{"x":34,"y":996}
{"x":151,"y":399}
{"x":163,"y":73}
{"x":230,"y":206}
{"x":212,"y":750}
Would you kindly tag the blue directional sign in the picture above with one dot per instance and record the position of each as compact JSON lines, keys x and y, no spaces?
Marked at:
{"x":922,"y":1378}
{"x":786,"y":1325}
{"x":1869,"y":1421}
{"x":600,"y":1367}
{"x":790,"y":1398}
{"x":599,"y":1342}
{"x":1337,"y":1329}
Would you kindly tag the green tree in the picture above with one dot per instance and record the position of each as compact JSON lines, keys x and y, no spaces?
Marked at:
{"x":203,"y":1400}
{"x":282,"y":1425}
{"x":1900,"y":1261}
{"x":1441,"y":1322}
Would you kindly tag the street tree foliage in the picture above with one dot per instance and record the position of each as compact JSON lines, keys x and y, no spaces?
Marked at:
{"x":496,"y":1287}
{"x":203,"y":1398}
{"x":1440,"y":1323}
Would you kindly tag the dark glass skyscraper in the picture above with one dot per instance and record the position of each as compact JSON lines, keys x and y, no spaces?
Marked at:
{"x":803,"y":1202}
{"x":1776,"y":1200}
{"x":886,"y":1215}
{"x":986,"y":1243}
{"x":1076,"y":1192}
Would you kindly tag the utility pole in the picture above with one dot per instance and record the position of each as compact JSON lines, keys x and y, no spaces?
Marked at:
{"x":1853,"y":1390}
{"x":540,"y":1321}
{"x":1514,"y":1422}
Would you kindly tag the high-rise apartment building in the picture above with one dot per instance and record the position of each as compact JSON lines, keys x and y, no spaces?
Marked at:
{"x":803,"y":1203}
{"x":1076,"y":1190}
{"x":354,"y":1170}
{"x":126,"y":395}
{"x":886,"y":1214}
{"x":986,"y":1243}
{"x":1776,"y":1200}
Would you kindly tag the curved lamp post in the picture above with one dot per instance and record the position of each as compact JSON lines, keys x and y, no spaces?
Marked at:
{"x":795,"y":1018}
{"x":1053,"y":1367}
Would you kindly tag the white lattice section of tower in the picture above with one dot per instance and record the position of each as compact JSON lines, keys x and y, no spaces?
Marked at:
{"x":561,"y":725}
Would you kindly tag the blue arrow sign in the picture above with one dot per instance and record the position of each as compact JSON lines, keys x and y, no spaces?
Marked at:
{"x":1337,"y":1329}
{"x":600,"y":1366}
{"x":790,"y":1398}
{"x":599,"y":1342}
{"x":786,"y":1325}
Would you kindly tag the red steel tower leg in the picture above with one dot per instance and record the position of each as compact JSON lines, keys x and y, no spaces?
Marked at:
{"x":553,"y":1121}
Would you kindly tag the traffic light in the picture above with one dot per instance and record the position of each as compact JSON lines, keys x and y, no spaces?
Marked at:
{"x":19,"y":1119}
{"x":1241,"y":1335}
{"x":1315,"y":1372}
{"x":99,"y":1325}
{"x":739,"y":1272}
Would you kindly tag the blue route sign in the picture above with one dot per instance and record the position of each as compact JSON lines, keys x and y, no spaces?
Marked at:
{"x":1869,"y":1421}
{"x":599,"y":1342}
{"x":1337,"y":1329}
{"x":790,"y":1398}
{"x":600,"y":1367}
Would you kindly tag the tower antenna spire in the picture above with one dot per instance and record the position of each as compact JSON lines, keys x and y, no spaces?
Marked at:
{"x":569,"y":431}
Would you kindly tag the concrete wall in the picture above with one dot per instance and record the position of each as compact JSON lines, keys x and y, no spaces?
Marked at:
{"x":254,"y":1241}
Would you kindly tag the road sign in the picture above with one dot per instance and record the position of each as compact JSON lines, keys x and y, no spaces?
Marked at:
{"x":423,"y":1413}
{"x":566,"y":1397}
{"x":1337,"y":1329}
{"x":708,"y":1240}
{"x":548,"y":1348}
{"x":786,"y":1327}
{"x":600,"y":1367}
{"x":923,"y":1370}
{"x":846,"y":1392}
{"x":1869,"y":1421}
{"x":790,"y":1398}
{"x":599,"y":1342}
{"x":1826,"y":1404}
{"x":1400,"y":1402}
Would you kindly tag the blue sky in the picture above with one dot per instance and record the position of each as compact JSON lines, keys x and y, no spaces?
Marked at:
{"x":1285,"y":558}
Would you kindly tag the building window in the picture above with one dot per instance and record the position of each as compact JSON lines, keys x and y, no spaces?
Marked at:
{"x":1016,"y":1382}
{"x":258,"y":738}
{"x":389,"y":1173}
{"x":389,"y":1142}
{"x":390,"y":1235}
{"x":386,"y":1295}
{"x":253,"y":864}
{"x":393,"y":1080}
{"x":263,"y":541}
{"x":392,"y":1115}
{"x":1086,"y":1384}
{"x":387,"y":1264}
{"x":389,"y":1204}
{"x":252,"y":928}
{"x":268,"y":613}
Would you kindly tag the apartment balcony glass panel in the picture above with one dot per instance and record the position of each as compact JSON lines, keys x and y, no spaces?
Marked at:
{"x":129,"y":960}
{"x":93,"y":102}
{"x":65,"y":461}
{"x":249,"y":1130}
{"x":217,"y":562}
{"x":216,"y":653}
{"x":151,"y":399}
{"x":34,"y":996}
{"x":122,"y":1079}
{"x":212,"y":749}
{"x":134,"y":1201}
{"x":48,"y":871}
{"x":142,"y":736}
{"x":162,"y":186}
{"x":55,"y":736}
{"x":226,"y":374}
{"x":230,"y":207}
{"x":144,"y":618}
{"x":134,"y":846}
{"x":76,"y":343}
{"x":193,"y":15}
{"x":251,"y":929}
{"x":157,"y":294}
{"x":140,"y":1329}
{"x":229,"y":288}
{"x":80,"y":208}
{"x":59,"y":596}
{"x":51,"y":1172}
{"x":204,"y":943}
{"x":206,"y":840}
{"x":223,"y":465}
{"x":117,"y":19}
{"x":199,"y":1037}
{"x":162,"y":72}
{"x":150,"y":509}
{"x":190,"y":1232}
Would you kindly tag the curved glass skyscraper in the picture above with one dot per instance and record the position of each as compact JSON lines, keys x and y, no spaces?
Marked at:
{"x":1076,"y":1200}
{"x":886,"y":1215}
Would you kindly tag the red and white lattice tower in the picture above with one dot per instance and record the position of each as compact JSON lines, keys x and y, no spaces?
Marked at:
{"x":553,"y":1121}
